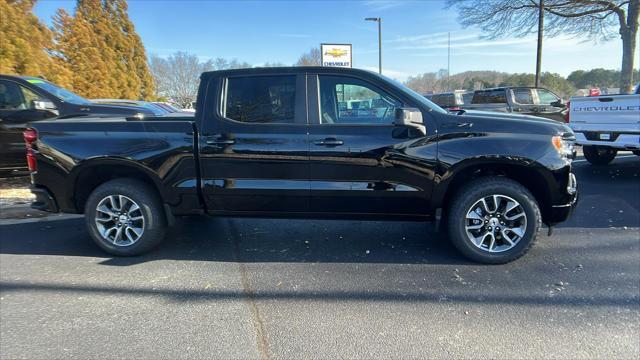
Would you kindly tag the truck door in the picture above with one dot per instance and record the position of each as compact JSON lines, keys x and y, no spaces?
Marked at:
{"x":360,"y":163}
{"x":522,"y":101}
{"x":254,"y":148}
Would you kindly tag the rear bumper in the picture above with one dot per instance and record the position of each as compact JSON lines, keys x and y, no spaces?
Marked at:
{"x":619,"y":140}
{"x":44,"y":200}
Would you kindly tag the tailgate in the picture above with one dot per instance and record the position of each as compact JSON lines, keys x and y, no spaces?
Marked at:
{"x":610,"y":110}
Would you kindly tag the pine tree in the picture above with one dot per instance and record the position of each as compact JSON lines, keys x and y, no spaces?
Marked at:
{"x":26,"y":44}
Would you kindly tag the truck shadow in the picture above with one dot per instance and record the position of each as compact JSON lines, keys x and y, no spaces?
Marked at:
{"x":250,"y":240}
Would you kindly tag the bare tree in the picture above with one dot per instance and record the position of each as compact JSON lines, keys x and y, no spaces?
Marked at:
{"x":592,"y":19}
{"x":177,"y":77}
{"x":311,"y":58}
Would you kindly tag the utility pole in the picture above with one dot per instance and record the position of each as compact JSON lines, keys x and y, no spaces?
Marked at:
{"x":448,"y":61}
{"x":379,"y":21}
{"x":539,"y":50}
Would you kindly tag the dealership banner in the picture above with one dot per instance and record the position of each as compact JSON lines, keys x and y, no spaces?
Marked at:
{"x":336,"y":55}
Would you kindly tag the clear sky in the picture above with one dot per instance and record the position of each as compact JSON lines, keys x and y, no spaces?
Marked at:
{"x":414,"y":35}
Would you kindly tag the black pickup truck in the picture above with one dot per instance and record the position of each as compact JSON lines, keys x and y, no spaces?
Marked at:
{"x":24,"y":99}
{"x":277,"y":143}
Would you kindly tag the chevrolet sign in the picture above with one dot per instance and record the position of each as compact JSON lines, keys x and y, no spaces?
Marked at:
{"x":336,"y":55}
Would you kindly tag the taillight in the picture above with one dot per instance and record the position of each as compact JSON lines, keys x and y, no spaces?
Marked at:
{"x":567,"y":116}
{"x":30,"y":136}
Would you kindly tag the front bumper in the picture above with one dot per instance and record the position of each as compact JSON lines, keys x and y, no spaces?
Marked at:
{"x":562,"y":212}
{"x":44,"y":200}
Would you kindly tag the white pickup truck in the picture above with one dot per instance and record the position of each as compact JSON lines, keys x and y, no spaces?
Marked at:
{"x":606,"y":124}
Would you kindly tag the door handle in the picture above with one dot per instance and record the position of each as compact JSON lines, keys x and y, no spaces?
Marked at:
{"x":329,"y":142}
{"x":219,"y":140}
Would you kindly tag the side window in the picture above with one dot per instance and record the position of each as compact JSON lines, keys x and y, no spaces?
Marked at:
{"x":12,"y":96}
{"x":497,"y":97}
{"x":546,"y":97}
{"x":345,"y":100}
{"x":261,"y":99}
{"x":523,"y":96}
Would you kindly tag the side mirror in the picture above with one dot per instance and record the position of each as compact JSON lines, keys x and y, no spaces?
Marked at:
{"x":559,"y":103}
{"x":46,"y":106}
{"x":410,"y":117}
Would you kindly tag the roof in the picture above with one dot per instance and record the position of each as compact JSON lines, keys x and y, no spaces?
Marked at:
{"x":287,"y":70}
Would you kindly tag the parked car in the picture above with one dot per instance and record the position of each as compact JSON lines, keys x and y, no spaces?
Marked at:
{"x":521,"y":100}
{"x":24,"y":99}
{"x":155,"y":109}
{"x":605,"y":125}
{"x":273,"y":142}
{"x":168,"y":107}
{"x":452,"y":101}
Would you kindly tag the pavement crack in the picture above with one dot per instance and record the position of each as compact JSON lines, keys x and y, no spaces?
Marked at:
{"x":249,"y":293}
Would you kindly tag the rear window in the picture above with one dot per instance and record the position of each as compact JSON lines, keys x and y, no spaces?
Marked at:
{"x":490,"y":97}
{"x":261,"y":99}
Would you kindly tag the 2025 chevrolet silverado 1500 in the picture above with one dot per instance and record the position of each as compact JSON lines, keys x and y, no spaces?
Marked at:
{"x":276,"y":143}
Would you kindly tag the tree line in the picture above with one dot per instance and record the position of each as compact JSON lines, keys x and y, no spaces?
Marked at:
{"x":435,"y":82}
{"x":95,"y":51}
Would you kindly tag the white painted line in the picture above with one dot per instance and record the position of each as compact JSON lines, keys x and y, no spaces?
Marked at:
{"x":58,"y":217}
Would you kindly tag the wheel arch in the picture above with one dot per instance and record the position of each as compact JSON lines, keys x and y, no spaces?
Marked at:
{"x":525,"y":173}
{"x":95,"y":172}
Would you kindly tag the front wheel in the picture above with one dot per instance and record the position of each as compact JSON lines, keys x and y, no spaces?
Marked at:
{"x":494,"y":220}
{"x":125,"y":217}
{"x":599,"y":155}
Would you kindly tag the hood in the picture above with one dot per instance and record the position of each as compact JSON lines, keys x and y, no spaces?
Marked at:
{"x":95,"y":108}
{"x":505,"y":122}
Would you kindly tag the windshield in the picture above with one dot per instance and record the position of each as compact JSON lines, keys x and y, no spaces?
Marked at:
{"x":60,"y":93}
{"x":417,"y":97}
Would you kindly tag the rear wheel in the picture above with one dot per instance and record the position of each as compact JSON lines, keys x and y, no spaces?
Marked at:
{"x":494,"y":220}
{"x":599,"y":155}
{"x":125,"y":217}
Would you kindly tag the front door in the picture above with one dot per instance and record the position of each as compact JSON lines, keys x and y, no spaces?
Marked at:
{"x":360,"y":163}
{"x":254,"y":146}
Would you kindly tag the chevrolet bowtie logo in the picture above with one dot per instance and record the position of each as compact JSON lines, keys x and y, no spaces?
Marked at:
{"x":335,"y":52}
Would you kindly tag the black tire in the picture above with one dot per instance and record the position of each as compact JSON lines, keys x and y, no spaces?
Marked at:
{"x":599,"y":155}
{"x":466,"y":197}
{"x":150,"y":207}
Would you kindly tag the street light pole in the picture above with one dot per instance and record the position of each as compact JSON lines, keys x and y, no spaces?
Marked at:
{"x":379,"y":21}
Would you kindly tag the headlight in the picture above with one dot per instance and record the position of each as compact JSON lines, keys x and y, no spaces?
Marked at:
{"x":564,"y":146}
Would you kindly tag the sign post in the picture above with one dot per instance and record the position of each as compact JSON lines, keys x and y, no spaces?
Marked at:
{"x":336,"y":55}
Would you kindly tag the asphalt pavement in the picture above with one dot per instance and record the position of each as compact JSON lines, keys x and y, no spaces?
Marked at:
{"x":264,"y":288}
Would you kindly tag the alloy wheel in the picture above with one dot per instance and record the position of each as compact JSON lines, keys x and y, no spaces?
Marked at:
{"x":119,"y":220}
{"x":495,"y":223}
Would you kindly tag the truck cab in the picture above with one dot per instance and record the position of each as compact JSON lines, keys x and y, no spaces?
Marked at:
{"x":520,"y":100}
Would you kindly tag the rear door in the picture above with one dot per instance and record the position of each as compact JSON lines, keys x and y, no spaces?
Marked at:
{"x":254,"y":145}
{"x":360,"y":163}
{"x":523,"y":101}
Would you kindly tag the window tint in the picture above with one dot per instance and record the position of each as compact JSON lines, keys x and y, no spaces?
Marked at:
{"x":16,"y":97}
{"x":490,"y":97}
{"x":523,"y":96}
{"x":546,"y":97}
{"x":261,"y":99}
{"x":346,"y":100}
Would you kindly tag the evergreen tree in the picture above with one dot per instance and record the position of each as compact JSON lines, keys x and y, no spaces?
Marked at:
{"x":103,"y":51}
{"x":26,"y":44}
